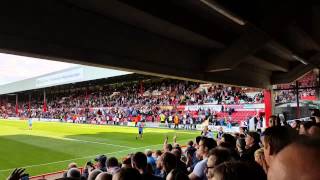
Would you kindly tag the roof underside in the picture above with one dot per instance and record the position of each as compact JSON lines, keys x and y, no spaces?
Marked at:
{"x":247,"y":43}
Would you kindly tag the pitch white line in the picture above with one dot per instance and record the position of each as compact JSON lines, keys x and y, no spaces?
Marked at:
{"x":95,"y":142}
{"x":85,"y":157}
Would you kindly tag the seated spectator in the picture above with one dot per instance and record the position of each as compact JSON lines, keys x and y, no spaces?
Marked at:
{"x":93,"y":174}
{"x":104,"y":176}
{"x":73,"y":173}
{"x":176,"y":174}
{"x":112,"y":165}
{"x":127,"y":174}
{"x":299,"y":160}
{"x":205,"y":145}
{"x":238,"y":171}
{"x":228,"y":138}
{"x":275,"y":139}
{"x":139,"y":162}
{"x":216,"y":157}
{"x":252,"y":144}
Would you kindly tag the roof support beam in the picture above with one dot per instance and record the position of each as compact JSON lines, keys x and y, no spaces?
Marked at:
{"x":298,"y":71}
{"x":251,"y":41}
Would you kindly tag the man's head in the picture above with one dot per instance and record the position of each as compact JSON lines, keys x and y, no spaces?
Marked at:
{"x":101,"y":161}
{"x":149,"y":153}
{"x":72,"y":165}
{"x":198,"y":138}
{"x":275,"y":139}
{"x":252,"y":138}
{"x":205,"y":145}
{"x":299,"y":160}
{"x":104,"y":176}
{"x":127,"y":174}
{"x":139,"y":161}
{"x":168,"y":148}
{"x":73,"y":173}
{"x":169,"y":161}
{"x":176,"y":174}
{"x":93,"y":174}
{"x":238,"y":171}
{"x":228,"y":138}
{"x":112,"y":162}
{"x":304,"y":127}
{"x":216,"y":157}
{"x":274,"y":121}
{"x":190,"y":143}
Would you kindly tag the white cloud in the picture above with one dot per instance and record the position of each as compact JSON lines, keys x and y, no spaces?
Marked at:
{"x":15,"y":68}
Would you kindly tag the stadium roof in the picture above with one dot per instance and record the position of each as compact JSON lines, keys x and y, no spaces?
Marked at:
{"x":248,"y":43}
{"x":74,"y":74}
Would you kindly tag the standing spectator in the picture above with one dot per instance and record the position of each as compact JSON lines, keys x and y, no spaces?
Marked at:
{"x":127,"y":174}
{"x":139,"y":162}
{"x":275,"y":139}
{"x":252,"y":144}
{"x":205,"y":145}
{"x":299,"y":160}
{"x":216,"y":157}
{"x":150,"y":160}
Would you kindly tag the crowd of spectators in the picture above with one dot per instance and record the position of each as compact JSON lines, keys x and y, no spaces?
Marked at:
{"x":123,"y":102}
{"x":281,"y":152}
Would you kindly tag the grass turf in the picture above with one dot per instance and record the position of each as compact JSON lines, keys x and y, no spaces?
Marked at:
{"x":51,"y":146}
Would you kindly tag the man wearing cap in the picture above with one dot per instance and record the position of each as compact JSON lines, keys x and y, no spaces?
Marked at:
{"x":101,"y":162}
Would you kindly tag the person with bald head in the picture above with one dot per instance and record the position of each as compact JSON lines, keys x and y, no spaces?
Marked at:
{"x":299,"y":160}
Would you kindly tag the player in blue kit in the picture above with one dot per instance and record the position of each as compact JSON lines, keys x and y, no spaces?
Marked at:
{"x":140,"y":128}
{"x":30,"y":122}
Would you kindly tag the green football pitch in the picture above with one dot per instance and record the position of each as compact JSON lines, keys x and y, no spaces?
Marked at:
{"x":51,"y":146}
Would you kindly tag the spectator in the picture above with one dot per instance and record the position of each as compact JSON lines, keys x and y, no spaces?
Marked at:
{"x":241,"y":146}
{"x":304,"y":127}
{"x":216,"y":157}
{"x":71,"y":165}
{"x":238,"y":171}
{"x":126,"y":163}
{"x":101,"y":162}
{"x":104,"y":176}
{"x":93,"y":174}
{"x":150,"y":160}
{"x":228,"y":138}
{"x":169,"y":162}
{"x":252,"y":144}
{"x":74,"y":173}
{"x":260,"y":159}
{"x":205,"y":145}
{"x":139,"y":162}
{"x":112,"y":165}
{"x":299,"y":160}
{"x":180,"y":165}
{"x":176,"y":174}
{"x":127,"y":174}
{"x":274,"y":121}
{"x":275,"y":139}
